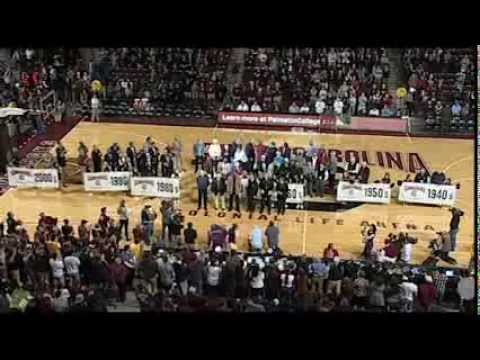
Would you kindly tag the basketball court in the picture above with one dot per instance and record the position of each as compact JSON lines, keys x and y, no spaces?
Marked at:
{"x":302,"y":231}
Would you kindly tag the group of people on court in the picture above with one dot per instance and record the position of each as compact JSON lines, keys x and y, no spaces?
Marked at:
{"x":260,"y":174}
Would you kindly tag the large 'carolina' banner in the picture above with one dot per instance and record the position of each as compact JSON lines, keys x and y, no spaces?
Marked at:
{"x":155,"y":187}
{"x":107,"y":181}
{"x":369,"y":193}
{"x":33,"y":178}
{"x":428,"y":194}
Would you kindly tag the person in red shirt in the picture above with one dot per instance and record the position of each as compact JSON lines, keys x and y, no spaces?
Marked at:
{"x":330,"y":252}
{"x":427,"y":294}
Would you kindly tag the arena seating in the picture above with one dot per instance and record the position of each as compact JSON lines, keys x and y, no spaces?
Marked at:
{"x":439,"y":76}
{"x":277,"y":78}
{"x":180,"y":82}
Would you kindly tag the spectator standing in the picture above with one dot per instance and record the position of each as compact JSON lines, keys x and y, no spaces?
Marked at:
{"x":319,"y":269}
{"x":119,"y":275}
{"x":408,"y":292}
{"x":148,"y":217}
{"x":466,"y":291}
{"x":72,"y":268}
{"x":124,"y":213}
{"x":335,"y":276}
{"x":454,"y":225}
{"x":256,"y":239}
{"x":190,"y":234}
{"x":57,"y":267}
{"x":427,"y":293}
{"x":272,"y":233}
{"x":95,"y":105}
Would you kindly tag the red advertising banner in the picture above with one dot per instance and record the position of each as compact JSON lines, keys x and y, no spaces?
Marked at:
{"x":292,"y":120}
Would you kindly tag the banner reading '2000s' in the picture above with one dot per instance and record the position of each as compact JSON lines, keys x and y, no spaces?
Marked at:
{"x":370,"y":193}
{"x":33,"y":178}
{"x":428,"y":194}
{"x":155,"y":187}
{"x":107,"y":181}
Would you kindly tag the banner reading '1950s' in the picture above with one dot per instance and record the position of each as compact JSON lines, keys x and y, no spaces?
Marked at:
{"x":107,"y":181}
{"x":155,"y":186}
{"x":428,"y":194}
{"x":33,"y":178}
{"x":370,"y":193}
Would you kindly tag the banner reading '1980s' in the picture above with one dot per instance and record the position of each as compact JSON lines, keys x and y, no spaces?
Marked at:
{"x":107,"y":181}
{"x":33,"y":178}
{"x":428,"y":193}
{"x":370,"y":193}
{"x":155,"y":187}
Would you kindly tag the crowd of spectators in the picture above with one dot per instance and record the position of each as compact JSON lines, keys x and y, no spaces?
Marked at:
{"x":315,"y":81}
{"x":441,"y":86}
{"x":162,"y":81}
{"x":93,"y":267}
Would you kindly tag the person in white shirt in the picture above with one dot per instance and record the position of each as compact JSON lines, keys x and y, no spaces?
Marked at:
{"x":408,"y":291}
{"x":257,"y":278}
{"x":294,"y":109}
{"x":72,"y":265}
{"x":215,"y":152}
{"x":338,"y":106}
{"x":95,"y":109}
{"x":57,"y":266}
{"x":320,"y":107}
{"x":255,"y":107}
{"x":305,"y":108}
{"x":407,"y":252}
{"x":243,"y":106}
{"x":213,"y":277}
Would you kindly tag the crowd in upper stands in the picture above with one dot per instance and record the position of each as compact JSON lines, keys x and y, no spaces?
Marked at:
{"x":441,"y":85}
{"x":316,"y":81}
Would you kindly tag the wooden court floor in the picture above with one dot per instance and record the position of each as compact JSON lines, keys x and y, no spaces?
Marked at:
{"x":302,"y":232}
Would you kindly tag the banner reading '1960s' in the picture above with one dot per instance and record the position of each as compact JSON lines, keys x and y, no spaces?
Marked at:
{"x":33,"y":178}
{"x":107,"y":181}
{"x":428,"y":194}
{"x":155,"y":187}
{"x":369,"y":193}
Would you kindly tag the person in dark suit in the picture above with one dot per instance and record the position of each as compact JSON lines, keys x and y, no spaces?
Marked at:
{"x":132,"y":157}
{"x":282,"y":195}
{"x":363,"y":173}
{"x":234,"y":188}
{"x":266,"y":188}
{"x":202,"y":185}
{"x":422,"y":177}
{"x":252,"y":190}
{"x":96,"y":159}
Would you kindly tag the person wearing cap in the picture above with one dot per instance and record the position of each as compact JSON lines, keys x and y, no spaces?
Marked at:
{"x":427,"y":293}
{"x":408,"y":292}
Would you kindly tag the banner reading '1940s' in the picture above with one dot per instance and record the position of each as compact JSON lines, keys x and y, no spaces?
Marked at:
{"x":428,"y":194}
{"x":369,"y":193}
{"x":33,"y":178}
{"x":107,"y":181}
{"x":155,"y":187}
